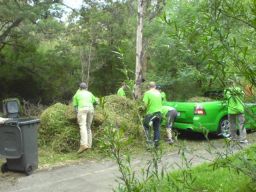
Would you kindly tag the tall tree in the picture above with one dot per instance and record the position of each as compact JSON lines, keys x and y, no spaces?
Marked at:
{"x":139,"y":49}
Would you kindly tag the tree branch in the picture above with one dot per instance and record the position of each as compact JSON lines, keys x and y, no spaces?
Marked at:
{"x":238,"y":19}
{"x":8,"y":30}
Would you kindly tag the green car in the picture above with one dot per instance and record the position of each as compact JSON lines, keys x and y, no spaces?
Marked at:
{"x":209,"y":117}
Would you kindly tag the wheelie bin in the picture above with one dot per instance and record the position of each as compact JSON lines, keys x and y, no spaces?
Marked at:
{"x":18,"y":144}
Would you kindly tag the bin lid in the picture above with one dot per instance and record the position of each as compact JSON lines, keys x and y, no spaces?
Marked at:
{"x":12,"y":106}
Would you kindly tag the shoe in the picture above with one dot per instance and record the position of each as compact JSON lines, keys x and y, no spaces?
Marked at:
{"x":82,"y":149}
{"x":170,"y":141}
{"x":156,"y":143}
{"x":244,"y":141}
{"x":231,"y":139}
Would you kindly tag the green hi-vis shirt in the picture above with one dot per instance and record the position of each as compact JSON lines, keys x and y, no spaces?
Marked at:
{"x":121,"y":92}
{"x":234,"y":97}
{"x":84,"y":98}
{"x":163,"y":96}
{"x":153,"y":101}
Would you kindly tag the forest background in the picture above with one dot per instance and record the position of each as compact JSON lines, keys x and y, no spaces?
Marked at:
{"x":190,"y":46}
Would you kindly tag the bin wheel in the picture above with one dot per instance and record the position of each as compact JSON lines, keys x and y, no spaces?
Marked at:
{"x":28,"y":170}
{"x":4,"y":168}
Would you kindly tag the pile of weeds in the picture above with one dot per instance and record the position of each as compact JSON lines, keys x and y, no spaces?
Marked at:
{"x":120,"y":112}
{"x":60,"y":131}
{"x":58,"y":128}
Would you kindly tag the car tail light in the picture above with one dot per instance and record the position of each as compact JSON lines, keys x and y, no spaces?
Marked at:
{"x":199,"y":110}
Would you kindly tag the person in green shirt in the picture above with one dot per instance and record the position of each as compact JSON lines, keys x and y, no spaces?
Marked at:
{"x":83,"y":102}
{"x":153,"y":102}
{"x":168,"y":115}
{"x":121,"y":91}
{"x":234,"y":97}
{"x":163,"y":94}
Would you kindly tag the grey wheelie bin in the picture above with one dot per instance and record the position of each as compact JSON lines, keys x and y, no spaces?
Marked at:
{"x":18,"y":144}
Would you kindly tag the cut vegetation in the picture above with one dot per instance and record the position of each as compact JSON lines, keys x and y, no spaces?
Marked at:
{"x":59,"y":130}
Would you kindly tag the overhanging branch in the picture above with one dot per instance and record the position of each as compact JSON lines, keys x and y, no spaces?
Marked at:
{"x":8,"y":30}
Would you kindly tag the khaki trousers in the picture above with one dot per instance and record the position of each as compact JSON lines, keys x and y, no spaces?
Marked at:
{"x":84,"y":118}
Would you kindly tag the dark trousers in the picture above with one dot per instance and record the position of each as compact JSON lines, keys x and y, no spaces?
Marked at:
{"x":170,"y":117}
{"x":155,"y":118}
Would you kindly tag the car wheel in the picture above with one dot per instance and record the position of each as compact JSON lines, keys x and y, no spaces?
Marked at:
{"x":224,"y":127}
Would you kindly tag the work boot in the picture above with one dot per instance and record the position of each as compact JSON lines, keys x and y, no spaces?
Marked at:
{"x":156,"y":143}
{"x":170,"y":141}
{"x":169,"y":135}
{"x":82,"y":148}
{"x":244,"y":141}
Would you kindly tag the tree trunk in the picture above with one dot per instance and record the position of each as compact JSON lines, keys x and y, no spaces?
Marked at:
{"x":83,"y":63}
{"x":89,"y":65}
{"x":139,"y":50}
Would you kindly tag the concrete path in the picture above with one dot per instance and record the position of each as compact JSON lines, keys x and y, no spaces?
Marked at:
{"x":90,"y":176}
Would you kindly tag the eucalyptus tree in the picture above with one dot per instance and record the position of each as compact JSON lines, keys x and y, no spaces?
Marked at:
{"x":139,"y":49}
{"x":146,"y":10}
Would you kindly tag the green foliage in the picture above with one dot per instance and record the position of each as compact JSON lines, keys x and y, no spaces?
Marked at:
{"x":26,"y":68}
{"x":111,"y":113}
{"x":102,"y":30}
{"x":242,"y":163}
{"x":222,"y":180}
{"x":216,"y":176}
{"x":194,"y":43}
{"x":114,"y":142}
{"x":205,"y":43}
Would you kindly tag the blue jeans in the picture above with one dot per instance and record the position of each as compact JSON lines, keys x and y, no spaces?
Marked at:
{"x":155,"y":118}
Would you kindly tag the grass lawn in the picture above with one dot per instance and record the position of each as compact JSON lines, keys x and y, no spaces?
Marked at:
{"x":221,"y":176}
